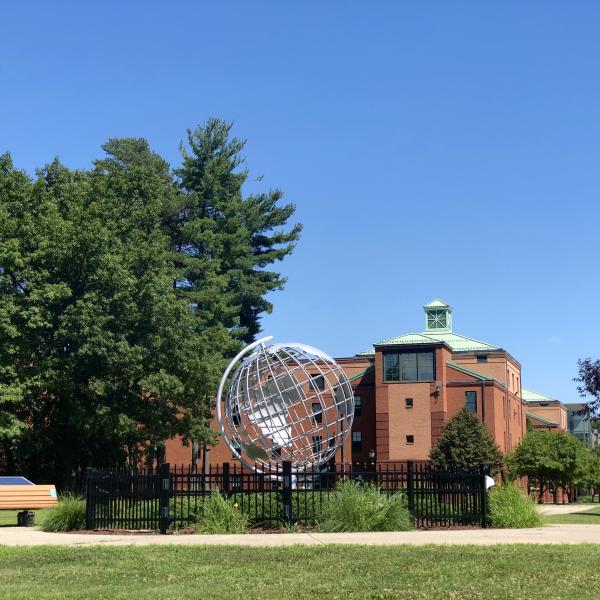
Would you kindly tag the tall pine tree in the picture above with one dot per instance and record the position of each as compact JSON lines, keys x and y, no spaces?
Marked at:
{"x":221,"y":231}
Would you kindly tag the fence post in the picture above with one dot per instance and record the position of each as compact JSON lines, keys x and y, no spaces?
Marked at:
{"x":90,"y":508}
{"x":286,"y":491}
{"x":164,"y":476}
{"x":410,"y":485}
{"x":484,"y":497}
{"x":226,"y":480}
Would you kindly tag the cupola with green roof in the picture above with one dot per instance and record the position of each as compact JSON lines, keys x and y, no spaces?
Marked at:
{"x":438,"y":316}
{"x":438,"y":328}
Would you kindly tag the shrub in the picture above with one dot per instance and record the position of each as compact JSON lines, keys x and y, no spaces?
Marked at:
{"x":585,"y":500}
{"x":307,"y":507}
{"x":260,"y":508}
{"x":267,"y":508}
{"x":221,"y":515}
{"x":465,"y":443}
{"x":67,"y":515}
{"x":511,"y":508}
{"x":363,"y":507}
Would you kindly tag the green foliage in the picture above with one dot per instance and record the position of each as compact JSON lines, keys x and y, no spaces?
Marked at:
{"x":258,"y":507}
{"x":509,"y":507}
{"x":363,"y":507}
{"x":267,"y":508}
{"x":123,"y":291}
{"x":67,"y":515}
{"x":465,"y":443}
{"x":224,"y":237}
{"x":587,"y":472}
{"x":548,"y":457}
{"x":585,"y":500}
{"x":588,"y":378}
{"x":221,"y":515}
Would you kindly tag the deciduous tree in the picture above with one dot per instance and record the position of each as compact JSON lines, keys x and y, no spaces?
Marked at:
{"x":123,"y":291}
{"x":587,"y":473}
{"x":589,"y":384}
{"x":548,"y":457}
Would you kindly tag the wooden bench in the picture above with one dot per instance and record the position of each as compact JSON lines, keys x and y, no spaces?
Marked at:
{"x":27,"y":497}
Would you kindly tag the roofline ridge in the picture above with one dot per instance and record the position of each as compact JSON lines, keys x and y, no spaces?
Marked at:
{"x":539,"y":394}
{"x":466,"y":337}
{"x":542,"y":419}
{"x":437,"y":300}
{"x":481,"y":376}
{"x":460,"y":367}
{"x":399,"y":336}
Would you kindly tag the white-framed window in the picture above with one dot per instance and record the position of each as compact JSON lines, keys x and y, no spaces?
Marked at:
{"x":471,"y":401}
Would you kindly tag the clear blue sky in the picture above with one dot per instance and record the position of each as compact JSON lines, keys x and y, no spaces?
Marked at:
{"x":443,"y":149}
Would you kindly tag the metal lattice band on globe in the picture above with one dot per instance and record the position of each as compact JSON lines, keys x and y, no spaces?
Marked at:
{"x":284,"y":402}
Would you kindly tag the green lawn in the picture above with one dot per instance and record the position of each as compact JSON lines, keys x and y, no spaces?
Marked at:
{"x":9,"y":517}
{"x":589,"y":517}
{"x":184,"y":572}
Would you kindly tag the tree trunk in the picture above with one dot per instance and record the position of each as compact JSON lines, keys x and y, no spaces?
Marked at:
{"x":195,"y":453}
{"x":542,"y":489}
{"x":205,"y":463}
{"x":150,"y":460}
{"x":160,"y":454}
{"x":67,"y":476}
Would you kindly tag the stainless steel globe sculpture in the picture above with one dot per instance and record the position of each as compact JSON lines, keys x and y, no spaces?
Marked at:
{"x":284,"y":402}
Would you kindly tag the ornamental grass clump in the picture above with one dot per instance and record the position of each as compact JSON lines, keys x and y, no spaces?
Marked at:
{"x":356,"y":506}
{"x":221,"y":515}
{"x":67,"y":515}
{"x":509,"y":507}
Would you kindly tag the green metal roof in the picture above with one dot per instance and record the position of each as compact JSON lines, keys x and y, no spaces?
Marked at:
{"x":361,"y":373}
{"x":463,"y":369}
{"x":538,"y":418}
{"x":437,"y":303}
{"x":370,"y":352}
{"x":458,"y":343}
{"x":532,"y":396}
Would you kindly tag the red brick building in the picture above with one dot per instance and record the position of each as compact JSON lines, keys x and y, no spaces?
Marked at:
{"x":407,"y":387}
{"x":544,"y":412}
{"x":414,"y":383}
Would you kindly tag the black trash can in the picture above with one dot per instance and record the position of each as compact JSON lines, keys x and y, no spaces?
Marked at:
{"x":26,"y":518}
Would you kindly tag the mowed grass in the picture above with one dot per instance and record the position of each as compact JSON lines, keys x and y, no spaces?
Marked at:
{"x":588,"y":517}
{"x":8,"y":518}
{"x":183,"y":572}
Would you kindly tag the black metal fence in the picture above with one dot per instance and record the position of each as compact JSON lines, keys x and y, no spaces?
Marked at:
{"x":173,"y":497}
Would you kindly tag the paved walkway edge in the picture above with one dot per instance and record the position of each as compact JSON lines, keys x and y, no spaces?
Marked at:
{"x":553,"y":534}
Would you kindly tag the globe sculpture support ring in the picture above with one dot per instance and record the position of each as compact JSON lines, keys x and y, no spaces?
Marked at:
{"x":287,"y":402}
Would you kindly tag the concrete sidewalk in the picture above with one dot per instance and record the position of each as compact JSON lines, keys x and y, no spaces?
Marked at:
{"x":564,"y":509}
{"x":553,"y":534}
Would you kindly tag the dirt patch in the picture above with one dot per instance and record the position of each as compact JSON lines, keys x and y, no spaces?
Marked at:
{"x":114,"y":531}
{"x":189,"y":530}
